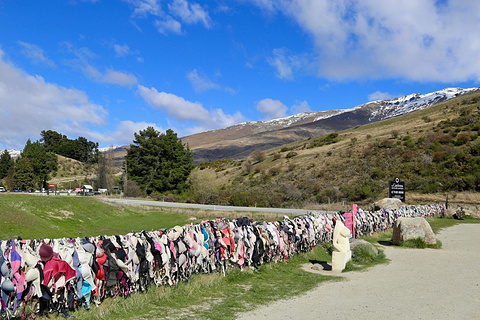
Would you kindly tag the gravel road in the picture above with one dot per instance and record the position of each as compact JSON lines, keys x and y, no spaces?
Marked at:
{"x":416,"y":284}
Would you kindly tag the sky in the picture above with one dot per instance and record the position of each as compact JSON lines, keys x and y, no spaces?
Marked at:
{"x":105,"y":69}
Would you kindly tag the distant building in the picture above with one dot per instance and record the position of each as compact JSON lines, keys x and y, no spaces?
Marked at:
{"x":87,"y":188}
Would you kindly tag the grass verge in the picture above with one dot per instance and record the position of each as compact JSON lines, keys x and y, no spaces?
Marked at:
{"x":213,"y":296}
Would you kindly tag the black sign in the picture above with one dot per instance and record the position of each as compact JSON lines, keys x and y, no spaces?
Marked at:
{"x":396,"y":189}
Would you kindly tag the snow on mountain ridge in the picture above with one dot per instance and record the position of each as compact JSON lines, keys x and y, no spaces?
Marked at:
{"x":414,"y":102}
{"x":382,"y":109}
{"x":14,"y":153}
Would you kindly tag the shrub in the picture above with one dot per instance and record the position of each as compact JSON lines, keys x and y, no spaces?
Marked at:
{"x":133,"y":190}
{"x":438,"y":156}
{"x":462,"y":138}
{"x":274,"y":171}
{"x":258,"y":156}
{"x":291,"y":154}
{"x":417,"y":243}
{"x":446,"y":138}
{"x":363,"y":253}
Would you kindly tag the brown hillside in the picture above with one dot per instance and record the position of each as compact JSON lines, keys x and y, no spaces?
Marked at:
{"x":356,"y":164}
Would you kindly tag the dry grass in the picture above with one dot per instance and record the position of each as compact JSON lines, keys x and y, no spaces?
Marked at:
{"x":342,"y":163}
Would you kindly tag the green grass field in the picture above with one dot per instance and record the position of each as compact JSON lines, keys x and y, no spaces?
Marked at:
{"x":37,"y":217}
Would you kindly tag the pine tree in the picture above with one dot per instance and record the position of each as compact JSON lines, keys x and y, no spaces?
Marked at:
{"x":6,"y":162}
{"x":23,"y":176}
{"x":159,"y":162}
{"x":42,"y":162}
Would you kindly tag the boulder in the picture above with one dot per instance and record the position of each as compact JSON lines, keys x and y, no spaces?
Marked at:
{"x":412,"y":228}
{"x":389,"y":203}
{"x":356,"y":242}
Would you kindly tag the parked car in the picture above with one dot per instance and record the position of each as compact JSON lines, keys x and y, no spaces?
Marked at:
{"x":2,"y":189}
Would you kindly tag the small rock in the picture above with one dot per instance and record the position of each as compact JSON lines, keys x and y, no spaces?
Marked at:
{"x":317,"y":267}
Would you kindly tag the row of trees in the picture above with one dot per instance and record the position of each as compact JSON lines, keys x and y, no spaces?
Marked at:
{"x":31,"y":170}
{"x":155,"y":162}
{"x":79,"y":149}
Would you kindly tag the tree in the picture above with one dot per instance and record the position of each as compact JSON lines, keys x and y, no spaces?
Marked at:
{"x":23,"y":176}
{"x":79,"y":149}
{"x":6,"y":162}
{"x":106,"y":169}
{"x":52,"y":140}
{"x":158,"y":162}
{"x":42,"y":162}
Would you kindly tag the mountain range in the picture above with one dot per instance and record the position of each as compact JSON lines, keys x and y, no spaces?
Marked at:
{"x":239,"y":141}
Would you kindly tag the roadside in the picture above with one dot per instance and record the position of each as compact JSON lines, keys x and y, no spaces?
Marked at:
{"x":416,"y":284}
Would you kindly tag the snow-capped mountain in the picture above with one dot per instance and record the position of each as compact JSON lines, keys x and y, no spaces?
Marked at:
{"x":240,"y":140}
{"x":413,"y":102}
{"x":14,"y":153}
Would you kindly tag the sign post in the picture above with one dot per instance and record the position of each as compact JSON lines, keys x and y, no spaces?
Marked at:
{"x":53,"y":186}
{"x":396,"y":189}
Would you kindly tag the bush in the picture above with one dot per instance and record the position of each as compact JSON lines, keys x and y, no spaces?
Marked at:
{"x":291,"y":154}
{"x":258,"y":156}
{"x":462,"y":138}
{"x":363,"y":253}
{"x":274,"y":171}
{"x":133,"y":190}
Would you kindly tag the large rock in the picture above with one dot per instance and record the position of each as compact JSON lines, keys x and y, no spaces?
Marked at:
{"x":389,"y":203}
{"x":413,"y":228}
{"x":356,"y":242}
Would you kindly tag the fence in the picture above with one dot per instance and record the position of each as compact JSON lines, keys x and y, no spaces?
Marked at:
{"x":60,"y":275}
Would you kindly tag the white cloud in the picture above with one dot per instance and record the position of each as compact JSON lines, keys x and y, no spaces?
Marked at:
{"x":175,"y":106}
{"x":119,"y":78}
{"x":378,"y":95}
{"x":168,"y":25}
{"x":189,"y":13}
{"x":124,"y":133}
{"x":35,"y":54}
{"x":122,"y":50}
{"x":283,"y":64}
{"x":378,"y":39}
{"x":272,"y":109}
{"x":145,"y":7}
{"x":201,"y":83}
{"x":184,"y":110}
{"x":109,"y":76}
{"x":173,"y":13}
{"x":301,"y":107}
{"x":29,"y":104}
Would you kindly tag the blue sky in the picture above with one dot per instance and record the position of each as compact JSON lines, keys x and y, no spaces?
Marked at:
{"x":104,"y":69}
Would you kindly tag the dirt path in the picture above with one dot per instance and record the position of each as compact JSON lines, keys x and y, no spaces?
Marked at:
{"x":416,"y":284}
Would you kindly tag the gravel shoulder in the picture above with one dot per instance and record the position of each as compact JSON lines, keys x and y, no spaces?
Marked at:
{"x":416,"y":284}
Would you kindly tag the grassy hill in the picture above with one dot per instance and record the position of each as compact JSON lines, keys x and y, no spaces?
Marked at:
{"x":37,"y":217}
{"x":72,"y":173}
{"x":435,"y":150}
